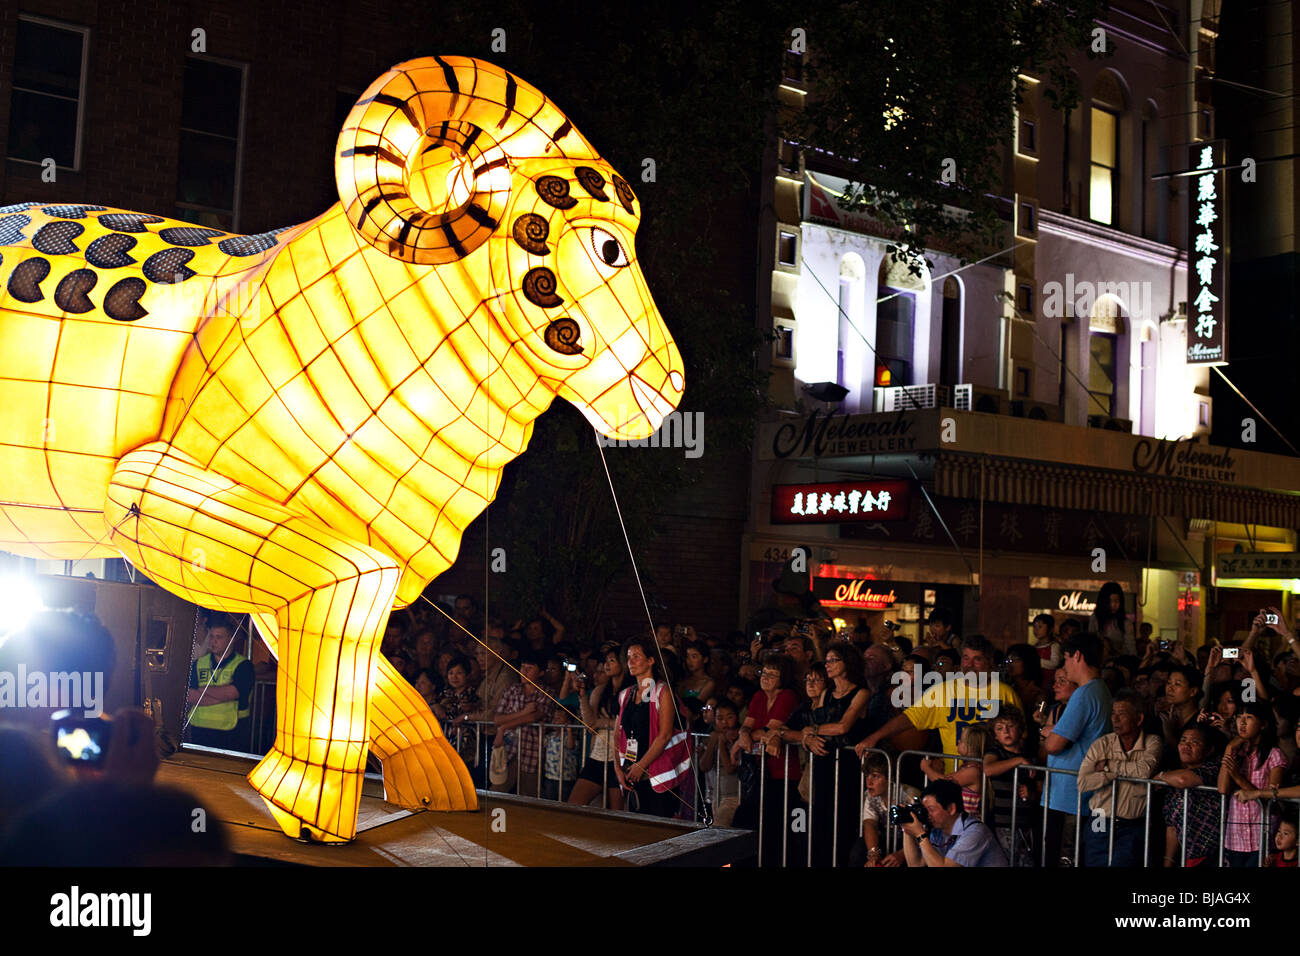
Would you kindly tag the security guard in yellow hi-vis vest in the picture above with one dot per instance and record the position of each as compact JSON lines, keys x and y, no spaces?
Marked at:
{"x":221,"y":692}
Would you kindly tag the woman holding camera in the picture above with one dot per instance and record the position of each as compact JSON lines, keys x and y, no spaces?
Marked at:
{"x":599,"y":713}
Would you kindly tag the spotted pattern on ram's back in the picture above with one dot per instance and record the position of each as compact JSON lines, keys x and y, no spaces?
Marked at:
{"x":111,"y":251}
{"x":248,"y":245}
{"x":25,"y":282}
{"x":168,"y":266}
{"x":123,"y":300}
{"x":11,"y":229}
{"x":70,"y":296}
{"x":188,"y":235}
{"x":55,"y":238}
{"x":71,"y":212}
{"x":128,"y":221}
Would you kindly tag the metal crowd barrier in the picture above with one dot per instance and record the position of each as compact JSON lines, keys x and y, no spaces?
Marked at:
{"x":1150,"y":782}
{"x":1047,"y":788}
{"x":485,"y":731}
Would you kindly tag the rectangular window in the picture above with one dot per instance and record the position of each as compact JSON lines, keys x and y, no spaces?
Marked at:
{"x":1022,"y":381}
{"x":207,"y":182}
{"x":894,"y":317}
{"x":784,"y":342}
{"x":1205,"y":124}
{"x":48,"y":91}
{"x":787,"y":248}
{"x":1203,"y":414}
{"x":1101,"y":374}
{"x":1025,"y":299}
{"x":1104,"y":159}
{"x":794,"y":66}
{"x":1027,"y":133}
{"x":1027,"y":221}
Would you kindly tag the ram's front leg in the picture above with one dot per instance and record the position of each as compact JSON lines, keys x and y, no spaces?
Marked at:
{"x":223,"y":545}
{"x":422,"y":770}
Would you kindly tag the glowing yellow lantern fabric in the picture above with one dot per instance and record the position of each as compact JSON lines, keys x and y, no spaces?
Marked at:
{"x":301,"y":424}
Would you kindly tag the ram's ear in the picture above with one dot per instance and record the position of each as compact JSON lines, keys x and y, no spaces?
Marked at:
{"x":424,"y":161}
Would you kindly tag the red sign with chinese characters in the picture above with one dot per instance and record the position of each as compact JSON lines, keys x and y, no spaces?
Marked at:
{"x":841,"y":501}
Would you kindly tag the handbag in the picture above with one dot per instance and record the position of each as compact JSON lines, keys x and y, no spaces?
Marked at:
{"x":805,"y":780}
{"x":498,"y":766}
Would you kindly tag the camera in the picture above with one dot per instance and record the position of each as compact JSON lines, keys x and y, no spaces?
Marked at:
{"x":893,"y":625}
{"x":570,"y":666}
{"x":906,"y":813}
{"x":82,"y":741}
{"x":1165,"y":645}
{"x":1270,"y":618}
{"x":1231,"y":653}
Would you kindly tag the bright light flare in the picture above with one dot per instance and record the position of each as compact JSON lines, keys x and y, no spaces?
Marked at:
{"x":19,"y":600}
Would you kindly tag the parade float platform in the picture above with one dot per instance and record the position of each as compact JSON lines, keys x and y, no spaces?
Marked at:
{"x":529,"y":832}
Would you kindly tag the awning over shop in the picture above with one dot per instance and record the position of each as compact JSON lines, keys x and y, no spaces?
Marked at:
{"x":1049,"y":485}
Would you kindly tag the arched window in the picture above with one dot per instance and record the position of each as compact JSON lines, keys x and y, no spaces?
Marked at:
{"x":950,"y":344}
{"x":1105,"y":330}
{"x":895,"y":322}
{"x":851,"y":352}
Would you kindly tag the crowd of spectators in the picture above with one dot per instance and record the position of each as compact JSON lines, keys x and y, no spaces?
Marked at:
{"x":799,"y":718}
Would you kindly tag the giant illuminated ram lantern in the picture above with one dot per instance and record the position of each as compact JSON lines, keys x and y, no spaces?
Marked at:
{"x":301,"y":424}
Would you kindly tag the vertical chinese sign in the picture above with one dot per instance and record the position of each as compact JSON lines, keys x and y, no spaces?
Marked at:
{"x":1207,"y":279}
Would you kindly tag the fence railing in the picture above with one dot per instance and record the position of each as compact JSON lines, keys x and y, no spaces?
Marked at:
{"x":572,"y":744}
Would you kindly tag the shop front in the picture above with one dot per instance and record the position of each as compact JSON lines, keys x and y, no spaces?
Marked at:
{"x":941,"y":508}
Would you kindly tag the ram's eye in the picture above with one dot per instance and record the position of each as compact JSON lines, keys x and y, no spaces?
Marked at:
{"x":607,"y":249}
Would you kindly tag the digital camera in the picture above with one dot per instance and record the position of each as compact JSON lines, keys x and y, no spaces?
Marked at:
{"x":81,"y":740}
{"x":905,"y":813}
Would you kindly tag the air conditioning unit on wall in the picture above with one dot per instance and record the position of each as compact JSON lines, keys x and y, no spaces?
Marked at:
{"x":1110,"y":424}
{"x":1040,"y":411}
{"x":991,"y":400}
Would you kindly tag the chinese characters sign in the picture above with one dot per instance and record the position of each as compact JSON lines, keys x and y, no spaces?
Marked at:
{"x":840,"y":501}
{"x":1207,"y":279}
{"x":1264,"y":564}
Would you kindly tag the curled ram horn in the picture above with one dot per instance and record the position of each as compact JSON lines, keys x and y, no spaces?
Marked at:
{"x":465,"y":112}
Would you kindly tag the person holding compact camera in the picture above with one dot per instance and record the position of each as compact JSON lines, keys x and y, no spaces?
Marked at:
{"x":939,"y":832}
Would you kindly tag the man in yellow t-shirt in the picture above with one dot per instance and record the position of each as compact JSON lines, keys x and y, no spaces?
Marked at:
{"x":950,"y":706}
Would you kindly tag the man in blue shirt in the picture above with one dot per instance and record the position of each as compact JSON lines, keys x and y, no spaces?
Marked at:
{"x":1086,"y":717}
{"x":956,"y":838}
